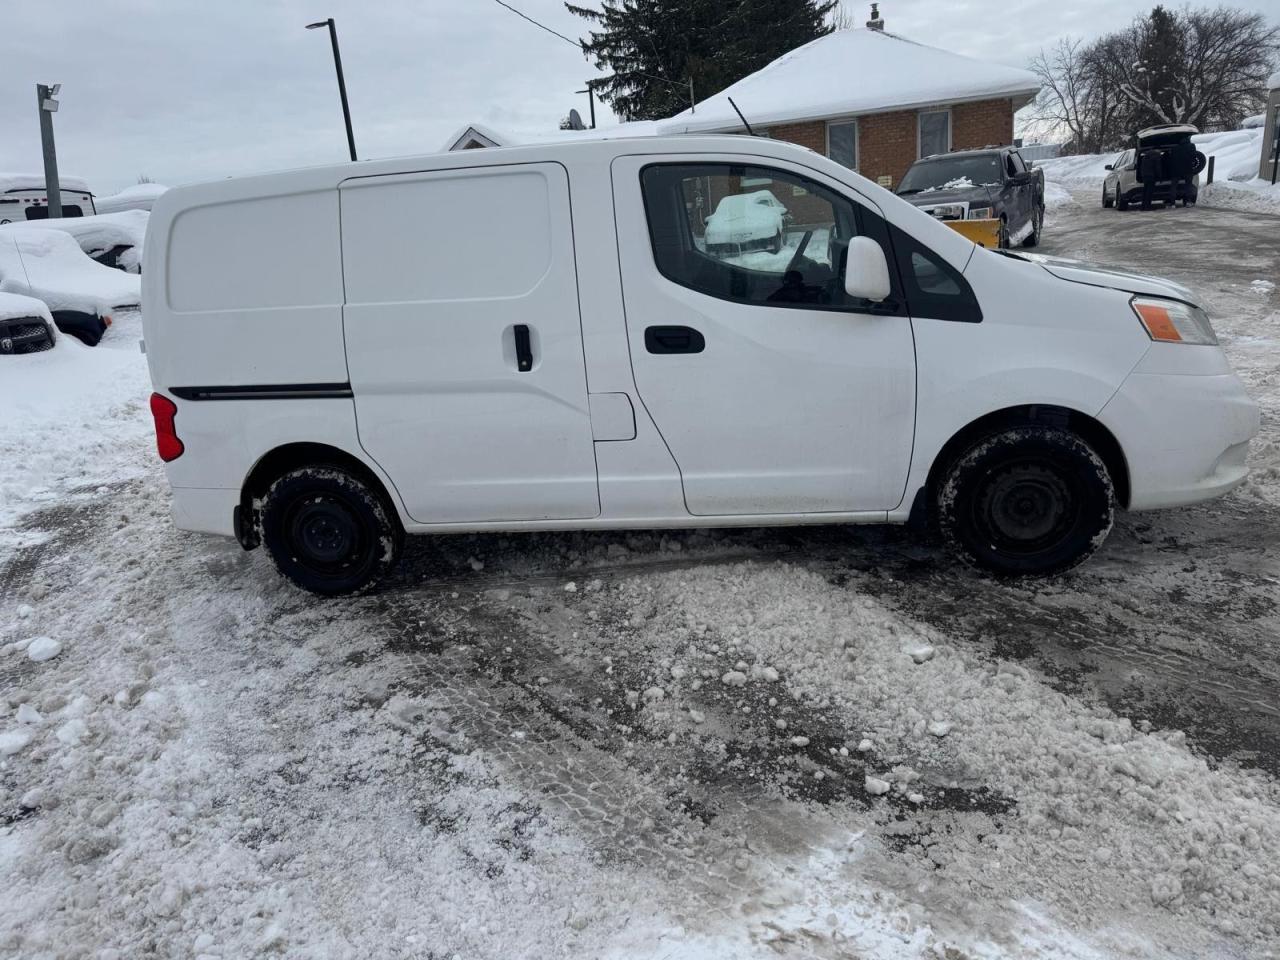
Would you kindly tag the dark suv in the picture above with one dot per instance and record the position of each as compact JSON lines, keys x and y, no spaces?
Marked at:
{"x":990,"y":184}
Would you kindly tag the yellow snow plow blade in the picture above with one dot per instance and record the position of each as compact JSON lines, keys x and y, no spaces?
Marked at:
{"x":985,"y":233}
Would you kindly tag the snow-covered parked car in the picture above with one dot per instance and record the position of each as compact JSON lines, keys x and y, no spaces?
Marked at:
{"x":744,"y":222}
{"x":363,"y":379}
{"x":112,"y":239}
{"x":25,"y":325}
{"x":50,"y":266}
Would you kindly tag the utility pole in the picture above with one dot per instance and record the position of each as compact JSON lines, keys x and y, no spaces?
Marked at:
{"x":693,"y":104}
{"x":342,"y":84}
{"x":591,"y":102}
{"x":48,"y":107}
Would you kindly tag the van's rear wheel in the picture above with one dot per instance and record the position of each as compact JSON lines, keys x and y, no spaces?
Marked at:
{"x":328,"y":531}
{"x":1026,"y":501}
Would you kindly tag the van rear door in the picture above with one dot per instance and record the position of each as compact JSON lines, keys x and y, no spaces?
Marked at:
{"x":464,"y":342}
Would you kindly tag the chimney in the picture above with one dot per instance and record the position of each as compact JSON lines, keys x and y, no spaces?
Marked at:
{"x":876,"y":22}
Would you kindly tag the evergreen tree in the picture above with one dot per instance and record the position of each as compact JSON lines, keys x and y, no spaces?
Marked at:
{"x":654,"y":48}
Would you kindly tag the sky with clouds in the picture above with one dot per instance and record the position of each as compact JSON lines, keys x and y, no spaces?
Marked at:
{"x":178,"y":90}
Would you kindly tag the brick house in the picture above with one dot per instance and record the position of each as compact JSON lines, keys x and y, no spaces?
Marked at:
{"x":871,"y":100}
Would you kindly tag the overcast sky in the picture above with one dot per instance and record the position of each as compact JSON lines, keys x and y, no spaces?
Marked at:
{"x":180,"y":91}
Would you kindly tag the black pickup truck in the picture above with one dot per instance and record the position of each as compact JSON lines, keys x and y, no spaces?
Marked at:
{"x":991,"y":184}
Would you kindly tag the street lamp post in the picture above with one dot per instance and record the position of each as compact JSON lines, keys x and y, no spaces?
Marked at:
{"x":48,"y":107}
{"x":342,"y":84}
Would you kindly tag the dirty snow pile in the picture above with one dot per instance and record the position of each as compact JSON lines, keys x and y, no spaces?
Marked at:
{"x":50,"y":266}
{"x":99,"y":234}
{"x":1105,"y":826}
{"x":72,"y":417}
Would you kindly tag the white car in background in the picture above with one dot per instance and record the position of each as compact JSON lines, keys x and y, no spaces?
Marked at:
{"x":745,"y":222}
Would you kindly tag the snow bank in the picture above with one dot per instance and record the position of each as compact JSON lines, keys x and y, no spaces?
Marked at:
{"x":98,"y":234}
{"x":50,"y":266}
{"x":66,"y":413}
{"x":1255,"y":196}
{"x":1055,"y":195}
{"x":138,"y":197}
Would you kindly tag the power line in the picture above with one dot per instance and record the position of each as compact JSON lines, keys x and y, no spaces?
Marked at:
{"x":582,"y":47}
{"x":540,"y":26}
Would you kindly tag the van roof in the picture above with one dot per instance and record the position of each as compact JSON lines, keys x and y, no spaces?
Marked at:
{"x":523,"y":153}
{"x":11,"y":182}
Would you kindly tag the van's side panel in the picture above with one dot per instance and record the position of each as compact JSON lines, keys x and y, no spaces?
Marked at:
{"x":446,"y":273}
{"x":252,"y":294}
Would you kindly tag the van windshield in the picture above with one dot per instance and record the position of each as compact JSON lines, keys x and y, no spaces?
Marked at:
{"x":952,"y":173}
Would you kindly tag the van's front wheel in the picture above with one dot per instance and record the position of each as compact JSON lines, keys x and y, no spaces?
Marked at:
{"x":328,"y":531}
{"x":1026,"y":501}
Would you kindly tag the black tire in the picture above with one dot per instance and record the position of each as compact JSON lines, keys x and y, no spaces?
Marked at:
{"x":1037,"y":227}
{"x":1026,"y":501}
{"x":1121,"y":202}
{"x":1002,"y":242}
{"x":1107,"y":199}
{"x":329,"y":531}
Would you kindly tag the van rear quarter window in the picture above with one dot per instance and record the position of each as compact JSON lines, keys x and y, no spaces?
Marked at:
{"x":257,"y":253}
{"x":447,"y":235}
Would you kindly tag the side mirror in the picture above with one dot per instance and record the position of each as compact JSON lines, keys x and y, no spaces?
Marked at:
{"x":1109,"y":166}
{"x":866,"y":271}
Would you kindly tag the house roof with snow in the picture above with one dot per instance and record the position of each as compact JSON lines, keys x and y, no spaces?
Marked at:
{"x":851,"y":72}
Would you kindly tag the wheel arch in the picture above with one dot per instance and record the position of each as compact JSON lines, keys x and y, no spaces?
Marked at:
{"x":278,"y":461}
{"x":1086,"y":427}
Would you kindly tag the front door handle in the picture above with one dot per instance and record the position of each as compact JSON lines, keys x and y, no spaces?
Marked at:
{"x":673,"y":340}
{"x":524,"y":351}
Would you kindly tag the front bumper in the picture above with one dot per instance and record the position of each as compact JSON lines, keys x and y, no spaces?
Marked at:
{"x":1185,"y":435}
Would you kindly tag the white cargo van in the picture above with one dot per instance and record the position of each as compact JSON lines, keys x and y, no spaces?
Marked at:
{"x":542,"y":338}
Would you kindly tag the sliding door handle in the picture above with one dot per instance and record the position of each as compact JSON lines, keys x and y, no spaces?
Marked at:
{"x":524,"y":352}
{"x":673,"y":340}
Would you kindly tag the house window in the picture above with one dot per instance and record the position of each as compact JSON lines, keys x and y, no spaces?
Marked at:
{"x":935,"y":132}
{"x":842,"y":143}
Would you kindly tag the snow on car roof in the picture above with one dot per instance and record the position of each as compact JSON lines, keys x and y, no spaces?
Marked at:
{"x":50,"y":266}
{"x":35,"y":181}
{"x":850,"y":72}
{"x":15,"y":305}
{"x":101,"y":232}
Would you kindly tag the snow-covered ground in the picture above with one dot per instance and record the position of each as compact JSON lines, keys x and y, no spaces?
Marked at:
{"x":798,"y":743}
{"x":1236,"y":185}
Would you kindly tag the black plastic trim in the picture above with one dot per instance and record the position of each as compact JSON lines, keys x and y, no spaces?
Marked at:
{"x":267,"y":391}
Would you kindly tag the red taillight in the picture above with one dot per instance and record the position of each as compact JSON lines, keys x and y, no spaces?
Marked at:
{"x":167,"y":443}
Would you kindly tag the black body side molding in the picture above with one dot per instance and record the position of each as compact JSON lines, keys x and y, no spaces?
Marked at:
{"x":267,"y":391}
